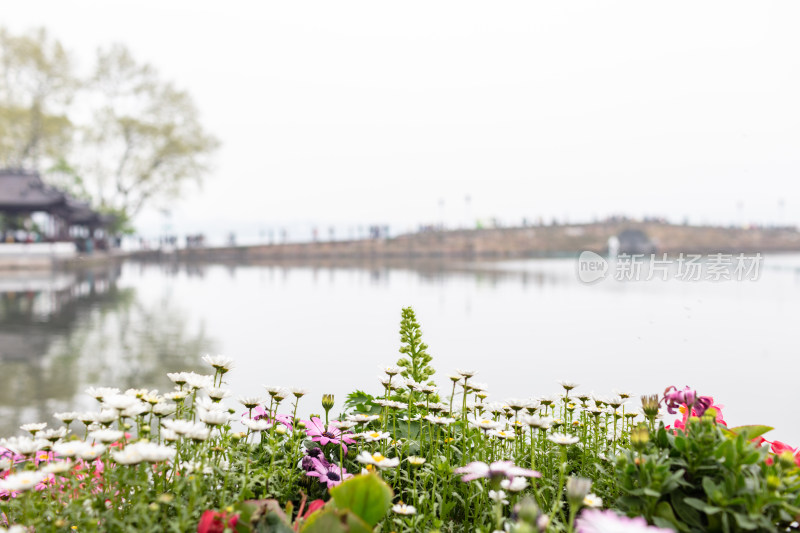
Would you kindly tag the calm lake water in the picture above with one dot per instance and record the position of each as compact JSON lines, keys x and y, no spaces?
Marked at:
{"x":523,"y":325}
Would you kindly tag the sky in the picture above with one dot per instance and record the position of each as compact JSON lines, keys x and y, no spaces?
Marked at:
{"x":355,"y":113}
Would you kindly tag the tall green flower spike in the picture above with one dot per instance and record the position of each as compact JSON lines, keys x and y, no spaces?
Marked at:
{"x":415,"y":363}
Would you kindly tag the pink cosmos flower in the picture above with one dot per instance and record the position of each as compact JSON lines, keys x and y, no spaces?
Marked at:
{"x":319,"y":433}
{"x":596,"y":521}
{"x":498,"y":469}
{"x":259,"y":413}
{"x":327,"y":473}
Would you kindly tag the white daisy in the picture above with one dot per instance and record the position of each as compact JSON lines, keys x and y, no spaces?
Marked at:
{"x":498,"y":496}
{"x":362,"y":418}
{"x":90,"y":453}
{"x":215,"y":418}
{"x":391,"y":370}
{"x":219,"y":362}
{"x":98,"y":393}
{"x":176,"y":396}
{"x":182,"y":427}
{"x":485,"y":424}
{"x":67,"y":417}
{"x":163,"y":409}
{"x":106,"y":416}
{"x":439,"y":420}
{"x":106,"y":435}
{"x":33,"y":428}
{"x":168,"y":435}
{"x":592,"y":501}
{"x":516,"y":484}
{"x":562,"y":439}
{"x":501,"y":434}
{"x":568,"y":385}
{"x":120,"y":402}
{"x":404,"y":509}
{"x":218,"y":393}
{"x":24,"y":445}
{"x":178,"y":378}
{"x":374,"y":436}
{"x":256,"y":425}
{"x":70,"y":448}
{"x":377,"y":460}
{"x":57,"y":467}
{"x":53,"y":434}
{"x":136,"y":409}
{"x":22,"y":481}
{"x":199,"y":381}
{"x":251,"y":401}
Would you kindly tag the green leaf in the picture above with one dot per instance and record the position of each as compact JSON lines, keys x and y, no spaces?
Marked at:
{"x":664,"y":523}
{"x":368,"y":496}
{"x":700,"y":505}
{"x":749,"y":432}
{"x":335,"y":521}
{"x":744,"y":522}
{"x":688,"y":514}
{"x":665,"y":517}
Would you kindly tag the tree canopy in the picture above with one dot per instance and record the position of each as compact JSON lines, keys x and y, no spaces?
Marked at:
{"x":119,"y":135}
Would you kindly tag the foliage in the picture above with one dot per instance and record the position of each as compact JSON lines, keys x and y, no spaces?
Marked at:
{"x":180,"y":461}
{"x":121,"y":135}
{"x":145,"y":140}
{"x":38,"y":86}
{"x":367,"y":496}
{"x":708,"y":478}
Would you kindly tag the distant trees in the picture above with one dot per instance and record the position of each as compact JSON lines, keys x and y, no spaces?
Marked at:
{"x":119,"y":135}
{"x":37,"y":89}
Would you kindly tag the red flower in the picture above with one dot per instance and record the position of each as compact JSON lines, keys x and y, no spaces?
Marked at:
{"x":216,"y":522}
{"x":779,"y":447}
{"x":313,"y":506}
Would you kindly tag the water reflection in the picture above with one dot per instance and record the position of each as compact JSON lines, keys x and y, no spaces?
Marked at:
{"x":61,"y":332}
{"x":328,"y":327}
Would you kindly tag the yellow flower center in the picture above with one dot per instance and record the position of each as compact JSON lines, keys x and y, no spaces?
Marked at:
{"x":378,"y":457}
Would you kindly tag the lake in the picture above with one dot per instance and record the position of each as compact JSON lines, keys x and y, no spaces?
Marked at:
{"x":522,"y":324}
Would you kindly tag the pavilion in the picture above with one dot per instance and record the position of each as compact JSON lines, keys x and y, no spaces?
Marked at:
{"x":23,"y":194}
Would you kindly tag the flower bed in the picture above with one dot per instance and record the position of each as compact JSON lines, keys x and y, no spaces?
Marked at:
{"x":408,"y":458}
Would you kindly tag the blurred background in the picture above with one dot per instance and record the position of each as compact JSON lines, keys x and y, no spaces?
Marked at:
{"x":274,"y":182}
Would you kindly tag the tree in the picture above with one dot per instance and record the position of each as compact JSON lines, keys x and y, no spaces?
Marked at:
{"x":37,"y":86}
{"x":144,"y":141}
{"x":121,"y":136}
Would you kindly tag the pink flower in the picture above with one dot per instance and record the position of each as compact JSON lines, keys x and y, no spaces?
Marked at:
{"x":259,"y":413}
{"x":779,"y":447}
{"x":674,"y":398}
{"x":596,"y":521}
{"x":330,"y":474}
{"x":319,"y":433}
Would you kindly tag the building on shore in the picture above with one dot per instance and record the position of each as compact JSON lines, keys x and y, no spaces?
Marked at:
{"x":42,"y":222}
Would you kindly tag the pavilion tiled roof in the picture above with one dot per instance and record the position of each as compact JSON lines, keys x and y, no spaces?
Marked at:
{"x":22,"y":191}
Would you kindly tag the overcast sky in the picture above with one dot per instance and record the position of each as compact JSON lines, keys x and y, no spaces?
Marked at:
{"x":352,"y":113}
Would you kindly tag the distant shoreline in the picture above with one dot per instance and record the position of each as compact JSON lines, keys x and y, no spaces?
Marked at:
{"x":460,"y":245}
{"x":505,"y":243}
